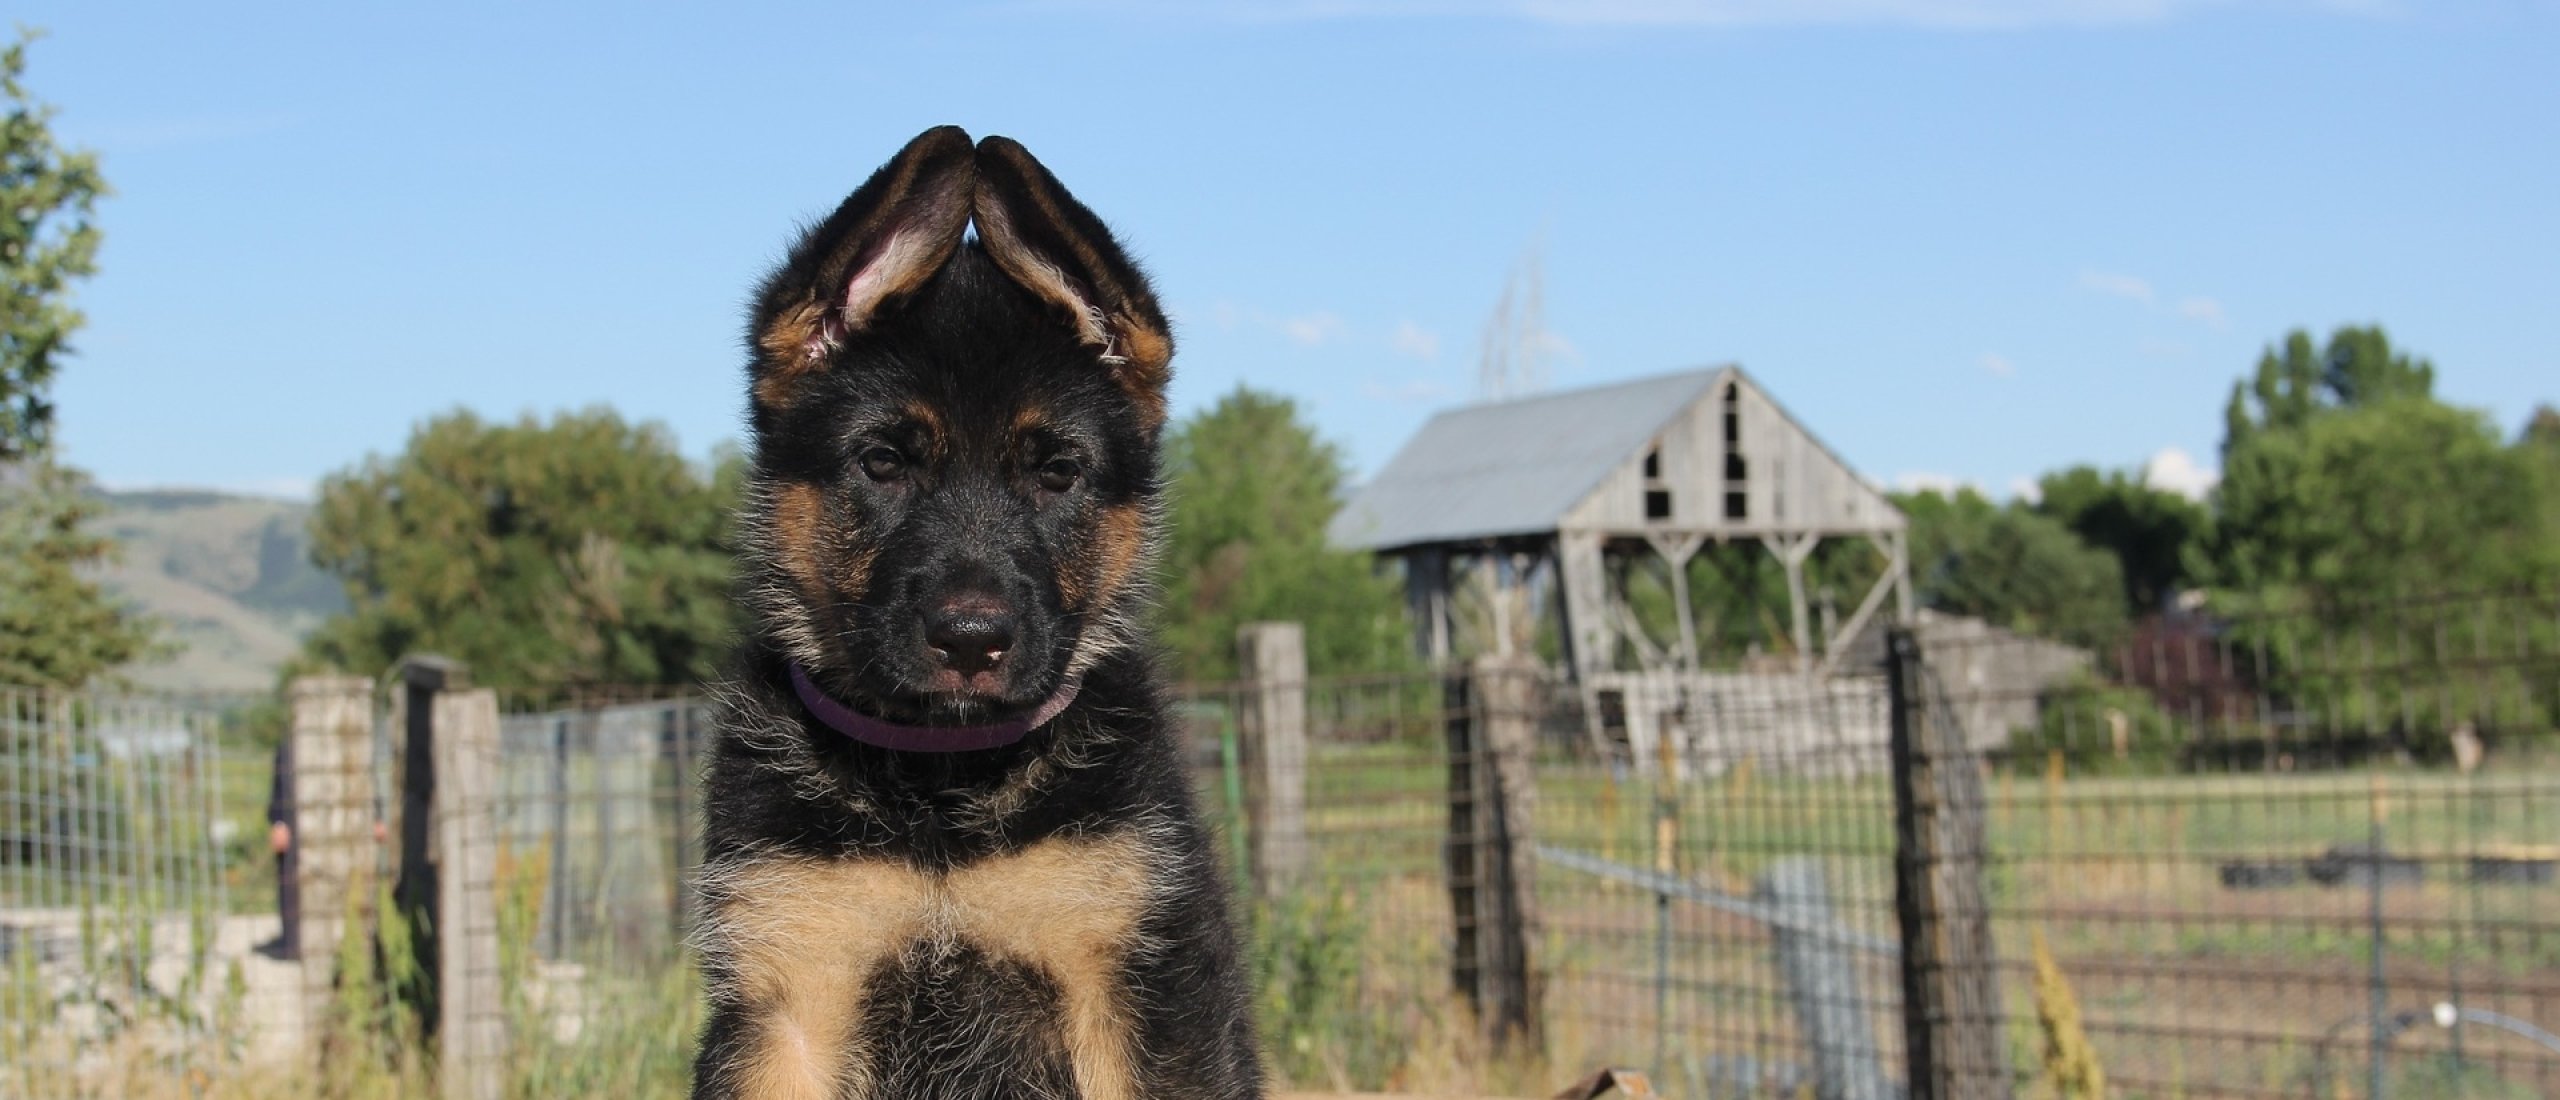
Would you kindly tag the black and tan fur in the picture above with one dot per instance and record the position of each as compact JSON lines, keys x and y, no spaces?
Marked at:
{"x":948,"y":427}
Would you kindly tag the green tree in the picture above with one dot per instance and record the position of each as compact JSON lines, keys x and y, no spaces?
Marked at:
{"x":2540,"y":445}
{"x":1252,"y":490}
{"x":47,"y":241}
{"x":57,"y":628}
{"x":578,"y":552}
{"x":2350,"y":498}
{"x":2011,"y":567}
{"x":2346,"y":482}
{"x":2297,"y":381}
{"x":2384,"y":502}
{"x":2543,"y":430}
{"x":2152,"y":532}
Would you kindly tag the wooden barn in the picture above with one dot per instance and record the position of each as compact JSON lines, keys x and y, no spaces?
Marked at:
{"x":1565,"y":491}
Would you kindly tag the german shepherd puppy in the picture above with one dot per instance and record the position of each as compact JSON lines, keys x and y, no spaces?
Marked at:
{"x":950,"y":843}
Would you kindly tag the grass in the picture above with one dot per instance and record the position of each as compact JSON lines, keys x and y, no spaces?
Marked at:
{"x":2122,"y":873}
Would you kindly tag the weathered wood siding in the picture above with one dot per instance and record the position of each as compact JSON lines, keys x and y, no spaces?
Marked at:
{"x":1789,"y":483}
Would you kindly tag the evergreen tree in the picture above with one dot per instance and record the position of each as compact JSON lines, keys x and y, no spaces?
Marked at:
{"x":57,"y":628}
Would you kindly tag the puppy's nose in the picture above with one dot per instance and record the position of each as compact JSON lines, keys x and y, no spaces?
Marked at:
{"x":970,"y":636}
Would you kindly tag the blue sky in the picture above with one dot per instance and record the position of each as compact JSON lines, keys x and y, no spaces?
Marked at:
{"x":1963,"y":239}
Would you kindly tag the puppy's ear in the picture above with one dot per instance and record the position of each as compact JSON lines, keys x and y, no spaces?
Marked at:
{"x":890,"y":236}
{"x":1048,"y":242}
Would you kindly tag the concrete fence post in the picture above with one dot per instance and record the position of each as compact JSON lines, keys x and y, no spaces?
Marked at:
{"x":471,"y":1034}
{"x":331,"y":727}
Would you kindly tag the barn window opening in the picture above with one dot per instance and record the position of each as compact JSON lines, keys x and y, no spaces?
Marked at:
{"x":1737,"y":470}
{"x":1657,"y":496}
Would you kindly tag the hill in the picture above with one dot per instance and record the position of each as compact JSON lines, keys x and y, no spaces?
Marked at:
{"x":229,"y":576}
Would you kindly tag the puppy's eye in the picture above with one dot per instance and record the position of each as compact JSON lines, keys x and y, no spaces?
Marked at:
{"x":883,"y":464}
{"x":1059,"y":474}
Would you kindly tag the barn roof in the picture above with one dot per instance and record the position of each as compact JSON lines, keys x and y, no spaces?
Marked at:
{"x":1511,"y":467}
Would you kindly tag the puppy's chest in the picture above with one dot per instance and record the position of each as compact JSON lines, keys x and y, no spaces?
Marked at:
{"x":840,"y":965}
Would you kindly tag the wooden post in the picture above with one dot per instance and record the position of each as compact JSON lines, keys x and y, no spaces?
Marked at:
{"x":333,"y":805}
{"x":1274,"y":728}
{"x":1463,"y":730}
{"x":1426,"y":596}
{"x":471,"y":1031}
{"x":1492,"y":797}
{"x":1950,"y":980}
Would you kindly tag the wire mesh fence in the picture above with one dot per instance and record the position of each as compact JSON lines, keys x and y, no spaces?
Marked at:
{"x":597,"y":828}
{"x":115,"y":924}
{"x":1350,"y":916}
{"x":1718,"y":883}
{"x":2314,"y":854}
{"x":2306,"y":854}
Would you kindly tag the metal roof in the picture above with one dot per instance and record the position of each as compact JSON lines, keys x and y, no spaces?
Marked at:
{"x":1510,"y":467}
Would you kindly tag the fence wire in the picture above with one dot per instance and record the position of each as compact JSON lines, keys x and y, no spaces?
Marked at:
{"x":2311,"y":855}
{"x":118,"y":951}
{"x":2305,"y":855}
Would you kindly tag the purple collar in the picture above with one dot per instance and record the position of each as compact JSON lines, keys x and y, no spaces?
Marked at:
{"x":890,"y":735}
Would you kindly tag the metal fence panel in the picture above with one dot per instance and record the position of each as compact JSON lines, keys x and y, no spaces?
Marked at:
{"x":115,"y":925}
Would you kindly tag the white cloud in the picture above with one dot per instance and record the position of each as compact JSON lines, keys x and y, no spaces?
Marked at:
{"x":2177,"y":471}
{"x":1414,"y":340}
{"x":1312,"y":329}
{"x":2118,"y":285}
{"x":1923,"y":481}
{"x":1999,"y":366}
{"x":1935,"y":14}
{"x":1965,"y":14}
{"x":1929,"y":481}
{"x":2201,"y":309}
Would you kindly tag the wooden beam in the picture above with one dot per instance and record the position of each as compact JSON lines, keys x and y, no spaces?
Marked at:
{"x":1885,"y":585}
{"x":1582,"y":575}
{"x":1648,"y":652}
{"x":1899,"y":544}
{"x":1676,"y":550}
{"x":1792,"y":552}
